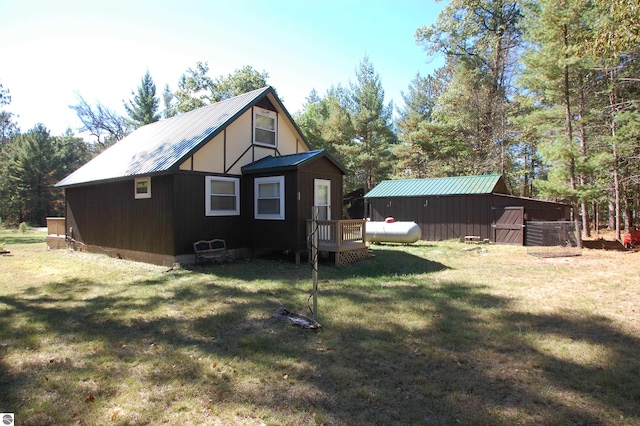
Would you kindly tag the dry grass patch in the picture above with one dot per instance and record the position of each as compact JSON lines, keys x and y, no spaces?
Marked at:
{"x":424,"y":334}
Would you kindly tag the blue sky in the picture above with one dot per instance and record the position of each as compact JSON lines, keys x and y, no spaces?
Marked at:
{"x":53,"y":50}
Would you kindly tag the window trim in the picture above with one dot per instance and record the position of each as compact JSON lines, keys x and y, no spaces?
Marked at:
{"x":266,"y":180}
{"x":144,"y":195}
{"x":270,"y":114}
{"x":208,"y":211}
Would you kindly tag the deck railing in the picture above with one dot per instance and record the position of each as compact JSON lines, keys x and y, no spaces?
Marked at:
{"x":336,"y":235}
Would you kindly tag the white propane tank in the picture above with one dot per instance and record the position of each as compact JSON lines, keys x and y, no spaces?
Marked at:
{"x":391,"y":231}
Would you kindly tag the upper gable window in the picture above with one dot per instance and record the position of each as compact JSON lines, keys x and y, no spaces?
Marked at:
{"x":142,"y":187}
{"x":265,"y":127}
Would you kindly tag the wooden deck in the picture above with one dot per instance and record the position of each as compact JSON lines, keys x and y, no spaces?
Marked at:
{"x":346,"y":238}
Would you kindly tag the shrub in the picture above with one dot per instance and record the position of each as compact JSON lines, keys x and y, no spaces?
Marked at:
{"x":23,"y":228}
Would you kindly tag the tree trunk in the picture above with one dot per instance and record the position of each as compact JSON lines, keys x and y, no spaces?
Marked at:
{"x":586,"y":231}
{"x":584,"y":207}
{"x":576,"y":221}
{"x":616,"y":171}
{"x":612,"y":216}
{"x":628,"y":223}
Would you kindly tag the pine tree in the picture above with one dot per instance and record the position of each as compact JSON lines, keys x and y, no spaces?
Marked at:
{"x":373,"y":127}
{"x":558,"y":73}
{"x":143,"y":109}
{"x":414,"y":154}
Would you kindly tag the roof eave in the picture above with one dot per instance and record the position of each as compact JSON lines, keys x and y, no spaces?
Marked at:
{"x":112,"y":180}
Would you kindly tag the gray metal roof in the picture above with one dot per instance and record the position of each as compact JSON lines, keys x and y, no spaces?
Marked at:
{"x":458,"y":185}
{"x":159,"y":146}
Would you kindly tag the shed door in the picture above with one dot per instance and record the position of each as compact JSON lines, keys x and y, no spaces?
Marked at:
{"x":508,"y":225}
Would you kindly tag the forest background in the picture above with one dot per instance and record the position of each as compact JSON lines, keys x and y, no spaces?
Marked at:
{"x":544,"y":92}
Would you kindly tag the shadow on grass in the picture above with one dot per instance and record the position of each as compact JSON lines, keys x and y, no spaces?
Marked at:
{"x":416,"y":353}
{"x":280,"y":266}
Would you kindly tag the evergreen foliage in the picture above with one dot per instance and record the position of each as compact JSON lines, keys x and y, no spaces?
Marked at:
{"x":30,"y":165}
{"x":143,"y":109}
{"x":356,"y":126}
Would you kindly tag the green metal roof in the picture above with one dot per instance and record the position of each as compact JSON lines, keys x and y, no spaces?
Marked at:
{"x":287,"y":161}
{"x":458,"y":185}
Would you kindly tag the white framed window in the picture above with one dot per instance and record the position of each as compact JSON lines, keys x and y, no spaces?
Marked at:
{"x":221,"y":196}
{"x":322,"y":198}
{"x":269,"y":198}
{"x":265,"y":127}
{"x":142,"y":187}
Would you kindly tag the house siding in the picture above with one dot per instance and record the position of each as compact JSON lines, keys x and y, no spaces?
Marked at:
{"x":272,"y":234}
{"x":190,"y":221}
{"x":320,"y":169}
{"x":108,"y":216}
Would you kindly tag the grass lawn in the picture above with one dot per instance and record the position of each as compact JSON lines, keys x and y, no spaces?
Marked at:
{"x":425,"y":334}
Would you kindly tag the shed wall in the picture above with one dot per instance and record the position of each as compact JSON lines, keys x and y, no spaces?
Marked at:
{"x":439,"y":218}
{"x":446,"y":217}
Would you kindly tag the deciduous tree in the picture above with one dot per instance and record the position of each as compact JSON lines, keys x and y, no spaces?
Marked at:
{"x":104,"y":124}
{"x":241,"y":81}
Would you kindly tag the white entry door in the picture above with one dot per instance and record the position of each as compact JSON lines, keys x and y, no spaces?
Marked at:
{"x":322,"y":198}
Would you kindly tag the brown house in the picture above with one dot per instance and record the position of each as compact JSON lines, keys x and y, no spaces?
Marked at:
{"x":238,"y":170}
{"x":456,"y":207}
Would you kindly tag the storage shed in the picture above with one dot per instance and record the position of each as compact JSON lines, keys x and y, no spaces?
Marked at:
{"x":456,"y":207}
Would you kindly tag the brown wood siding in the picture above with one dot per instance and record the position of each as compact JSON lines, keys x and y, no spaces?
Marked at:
{"x":190,"y":222}
{"x":290,"y":234}
{"x":265,"y":103}
{"x":535,"y":210}
{"x":306,"y":187}
{"x":272,"y":234}
{"x":439,"y":217}
{"x":446,"y":217}
{"x":108,"y":215}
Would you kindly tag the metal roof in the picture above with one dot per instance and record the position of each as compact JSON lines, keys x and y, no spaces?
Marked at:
{"x":159,"y":146}
{"x":286,"y":161}
{"x":458,"y":185}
